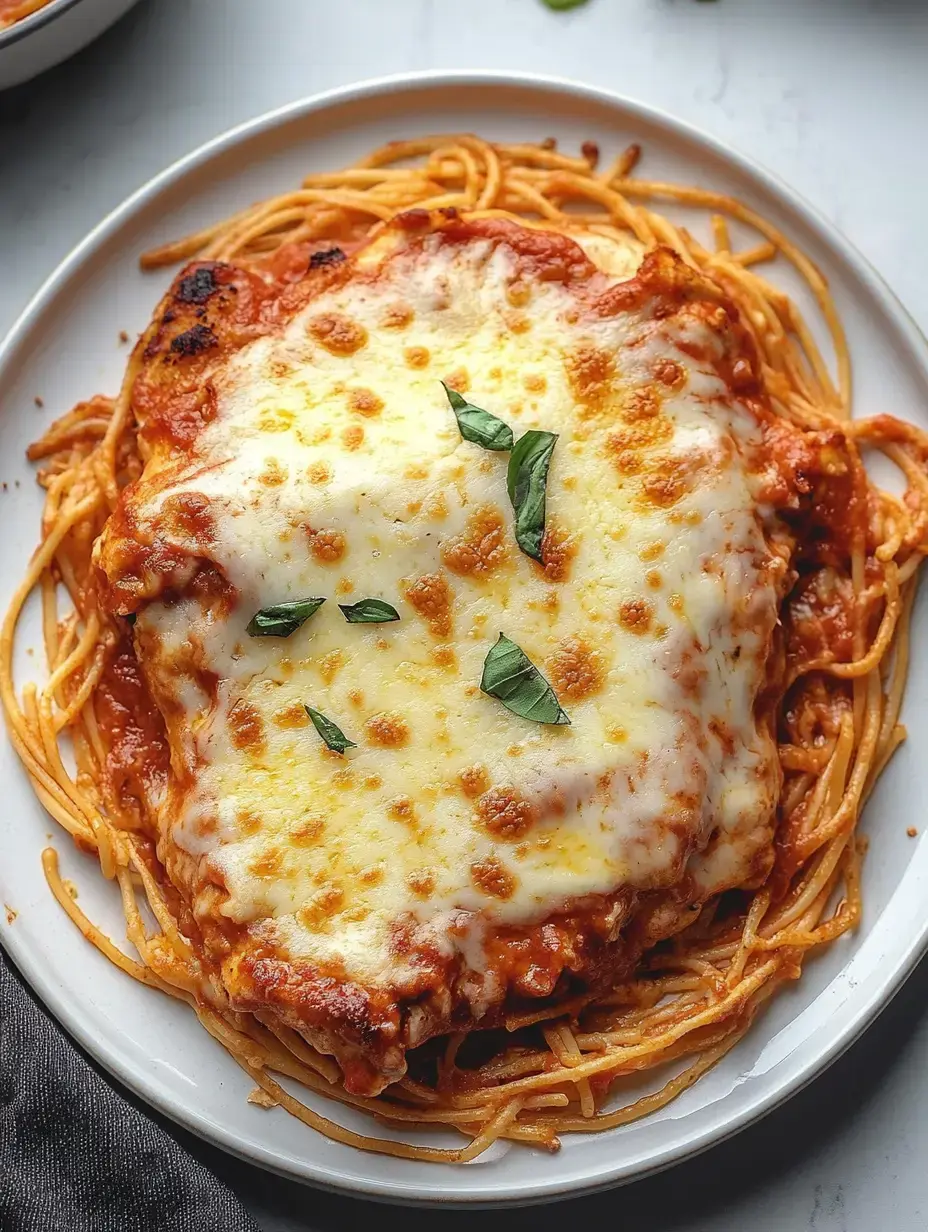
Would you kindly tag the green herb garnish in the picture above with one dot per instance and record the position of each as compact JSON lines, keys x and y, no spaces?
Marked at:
{"x":511,"y":677}
{"x":282,"y":619}
{"x":369,"y":612}
{"x":526,"y":480}
{"x":560,"y":6}
{"x":477,"y":425}
{"x":333,"y":736}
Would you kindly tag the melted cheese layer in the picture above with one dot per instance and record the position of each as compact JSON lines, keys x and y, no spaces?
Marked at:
{"x":334,"y":467}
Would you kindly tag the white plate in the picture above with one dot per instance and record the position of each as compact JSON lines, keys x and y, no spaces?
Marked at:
{"x":53,"y":33}
{"x":65,"y":347}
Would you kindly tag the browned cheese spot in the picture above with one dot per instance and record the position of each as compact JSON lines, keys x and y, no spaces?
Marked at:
{"x":474,"y":780}
{"x":421,"y":881}
{"x":402,"y":809}
{"x":365,"y":402}
{"x":576,"y":669}
{"x":654,"y":579}
{"x":436,"y":507}
{"x":625,"y":445}
{"x":458,"y":380}
{"x":307,"y":831}
{"x":535,"y":383}
{"x":248,"y":821}
{"x":388,"y":730}
{"x":417,"y":356}
{"x":325,"y":903}
{"x":246,"y":729}
{"x":371,"y":876}
{"x":338,"y":334}
{"x":273,"y":475}
{"x":327,"y":546}
{"x":353,"y":437}
{"x":505,"y":813}
{"x":331,"y":665}
{"x":663,"y":488}
{"x":268,"y":864}
{"x":481,"y":549}
{"x":670,"y":373}
{"x":636,"y":615}
{"x":397,"y":316}
{"x":291,"y":715}
{"x":651,"y":551}
{"x":443,"y":656}
{"x":626,"y":461}
{"x":518,"y":293}
{"x":558,"y":549}
{"x":318,"y":472}
{"x":431,"y":596}
{"x":590,"y":372}
{"x":641,"y":405}
{"x":492,"y":877}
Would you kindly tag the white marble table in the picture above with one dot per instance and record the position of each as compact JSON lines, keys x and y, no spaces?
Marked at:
{"x":833,"y":95}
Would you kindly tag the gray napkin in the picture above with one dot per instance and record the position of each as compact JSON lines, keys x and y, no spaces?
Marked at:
{"x":75,"y":1155}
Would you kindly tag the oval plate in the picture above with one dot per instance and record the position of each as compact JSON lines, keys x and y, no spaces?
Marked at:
{"x":65,"y":347}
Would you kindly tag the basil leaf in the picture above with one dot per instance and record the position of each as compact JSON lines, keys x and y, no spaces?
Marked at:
{"x":282,"y":619}
{"x":369,"y":612}
{"x":477,"y":425}
{"x":333,"y":736}
{"x":511,"y":677}
{"x":526,"y":481}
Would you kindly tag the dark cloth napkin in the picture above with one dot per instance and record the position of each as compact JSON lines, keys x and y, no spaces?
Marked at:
{"x":75,"y":1155}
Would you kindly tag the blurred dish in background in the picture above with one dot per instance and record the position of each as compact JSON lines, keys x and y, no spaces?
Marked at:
{"x":37,"y":34}
{"x":15,"y":10}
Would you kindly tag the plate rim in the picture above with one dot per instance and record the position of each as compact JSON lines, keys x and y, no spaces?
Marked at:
{"x":43,"y":985}
{"x":42,"y":17}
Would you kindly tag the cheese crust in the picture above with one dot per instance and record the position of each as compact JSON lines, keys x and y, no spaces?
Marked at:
{"x":460,"y":862}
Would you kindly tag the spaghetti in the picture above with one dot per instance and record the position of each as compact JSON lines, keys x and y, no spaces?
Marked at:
{"x":691,"y":999}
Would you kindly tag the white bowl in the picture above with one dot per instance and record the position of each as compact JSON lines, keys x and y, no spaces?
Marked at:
{"x":52,"y":34}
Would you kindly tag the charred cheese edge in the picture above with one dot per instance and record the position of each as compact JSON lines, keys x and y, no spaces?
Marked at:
{"x":332,"y":465}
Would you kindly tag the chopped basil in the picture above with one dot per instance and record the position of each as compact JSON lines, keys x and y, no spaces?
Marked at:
{"x":282,"y":619}
{"x":511,"y":677}
{"x":477,"y":425}
{"x":526,"y":481}
{"x":369,"y":612}
{"x":333,"y":736}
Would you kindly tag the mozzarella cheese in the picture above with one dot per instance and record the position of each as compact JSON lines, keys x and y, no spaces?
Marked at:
{"x":334,"y":467}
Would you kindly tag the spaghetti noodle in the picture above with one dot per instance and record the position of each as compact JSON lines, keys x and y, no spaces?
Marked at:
{"x":692,"y":998}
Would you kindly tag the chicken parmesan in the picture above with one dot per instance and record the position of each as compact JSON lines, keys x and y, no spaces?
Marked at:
{"x":488,"y":619}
